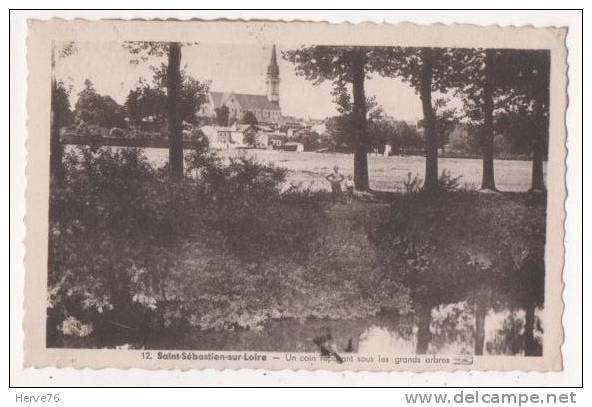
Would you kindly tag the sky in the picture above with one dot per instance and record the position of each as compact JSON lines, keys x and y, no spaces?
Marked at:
{"x":238,"y":68}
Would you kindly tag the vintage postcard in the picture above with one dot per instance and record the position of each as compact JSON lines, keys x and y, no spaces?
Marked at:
{"x":294,"y":195}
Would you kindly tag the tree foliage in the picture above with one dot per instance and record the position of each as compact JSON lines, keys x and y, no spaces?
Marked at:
{"x":341,"y":66}
{"x":426,"y":70}
{"x":146,"y":101}
{"x":91,"y":108}
{"x":150,"y":99}
{"x":249,"y":118}
{"x":222,"y":115}
{"x":178,"y":104}
{"x":63,"y":114}
{"x":60,"y":113}
{"x":530,"y":73}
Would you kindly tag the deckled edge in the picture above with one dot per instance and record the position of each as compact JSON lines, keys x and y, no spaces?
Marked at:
{"x":28,"y":362}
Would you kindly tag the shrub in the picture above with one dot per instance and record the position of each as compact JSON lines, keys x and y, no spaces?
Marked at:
{"x":412,"y":185}
{"x":444,"y":244}
{"x":111,"y":216}
{"x":246,"y":205}
{"x":119,"y":229}
{"x":116,"y":132}
{"x":447,"y":182}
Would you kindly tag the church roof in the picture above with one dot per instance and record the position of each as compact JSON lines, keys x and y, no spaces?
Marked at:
{"x":247,"y":102}
{"x":273,"y":70}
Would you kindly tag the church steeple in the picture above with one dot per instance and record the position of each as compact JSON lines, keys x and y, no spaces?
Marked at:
{"x":273,"y":79}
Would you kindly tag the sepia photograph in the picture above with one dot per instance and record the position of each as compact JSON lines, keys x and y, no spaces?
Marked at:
{"x":354,"y":203}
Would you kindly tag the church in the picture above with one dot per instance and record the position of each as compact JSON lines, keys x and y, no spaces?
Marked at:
{"x":266,"y":108}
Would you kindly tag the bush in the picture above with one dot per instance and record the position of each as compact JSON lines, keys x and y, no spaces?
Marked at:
{"x":113,"y":215}
{"x":444,"y":244}
{"x":446,"y":182}
{"x":120,"y":231}
{"x":246,"y":205}
{"x":116,"y":132}
{"x":412,"y":185}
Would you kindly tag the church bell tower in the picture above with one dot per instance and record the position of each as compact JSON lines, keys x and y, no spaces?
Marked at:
{"x":273,"y":79}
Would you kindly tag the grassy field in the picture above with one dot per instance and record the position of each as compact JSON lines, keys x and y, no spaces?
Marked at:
{"x":386,"y":173}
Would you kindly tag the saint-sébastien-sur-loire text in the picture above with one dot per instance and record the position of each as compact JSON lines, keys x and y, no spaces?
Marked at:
{"x":226,"y":356}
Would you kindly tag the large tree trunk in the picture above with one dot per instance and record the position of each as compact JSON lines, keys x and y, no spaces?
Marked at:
{"x":431,"y":138}
{"x":538,"y":147}
{"x":361,"y":180}
{"x":424,"y":335}
{"x":480,"y":313}
{"x":174,"y":119}
{"x":541,"y":116}
{"x":488,"y":180}
{"x":538,"y":181}
{"x":56,"y":150}
{"x":530,"y":348}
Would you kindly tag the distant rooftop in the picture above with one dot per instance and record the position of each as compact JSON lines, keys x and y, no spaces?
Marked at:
{"x":247,"y":101}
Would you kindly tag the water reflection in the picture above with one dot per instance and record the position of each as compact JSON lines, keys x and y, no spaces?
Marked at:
{"x":504,"y":334}
{"x":376,"y":337}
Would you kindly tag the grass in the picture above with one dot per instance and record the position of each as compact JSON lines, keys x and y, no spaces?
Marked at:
{"x":386,"y":173}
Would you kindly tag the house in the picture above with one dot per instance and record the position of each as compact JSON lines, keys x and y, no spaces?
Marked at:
{"x":276,"y":139}
{"x":266,"y":108}
{"x":224,"y":137}
{"x":294,"y":146}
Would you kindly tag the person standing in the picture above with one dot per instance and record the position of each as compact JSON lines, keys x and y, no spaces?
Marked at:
{"x":335,"y":179}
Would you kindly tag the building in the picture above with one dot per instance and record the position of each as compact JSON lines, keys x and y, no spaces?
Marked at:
{"x":266,"y":108}
{"x":225,"y":137}
{"x":276,"y":139}
{"x":294,"y":146}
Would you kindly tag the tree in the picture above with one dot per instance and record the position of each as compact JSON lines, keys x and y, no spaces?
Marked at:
{"x":516,"y":126}
{"x":151,"y":99}
{"x":222,"y":115}
{"x":479,"y":81}
{"x":342,"y":65}
{"x":406,"y":137}
{"x":141,"y":50}
{"x":488,"y":181}
{"x":529,"y":82}
{"x":249,"y":118}
{"x":192,"y":93}
{"x":337,"y":128}
{"x":93,"y":108}
{"x":340,"y":127}
{"x":508,"y":84}
{"x":250,"y":138}
{"x":426,"y":70}
{"x":146,"y":101}
{"x":446,"y":121}
{"x":381,"y":131}
{"x":173,"y":82}
{"x":311,"y":140}
{"x":60,"y":114}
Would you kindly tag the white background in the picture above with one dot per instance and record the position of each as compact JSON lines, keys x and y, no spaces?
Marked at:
{"x":571,"y":376}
